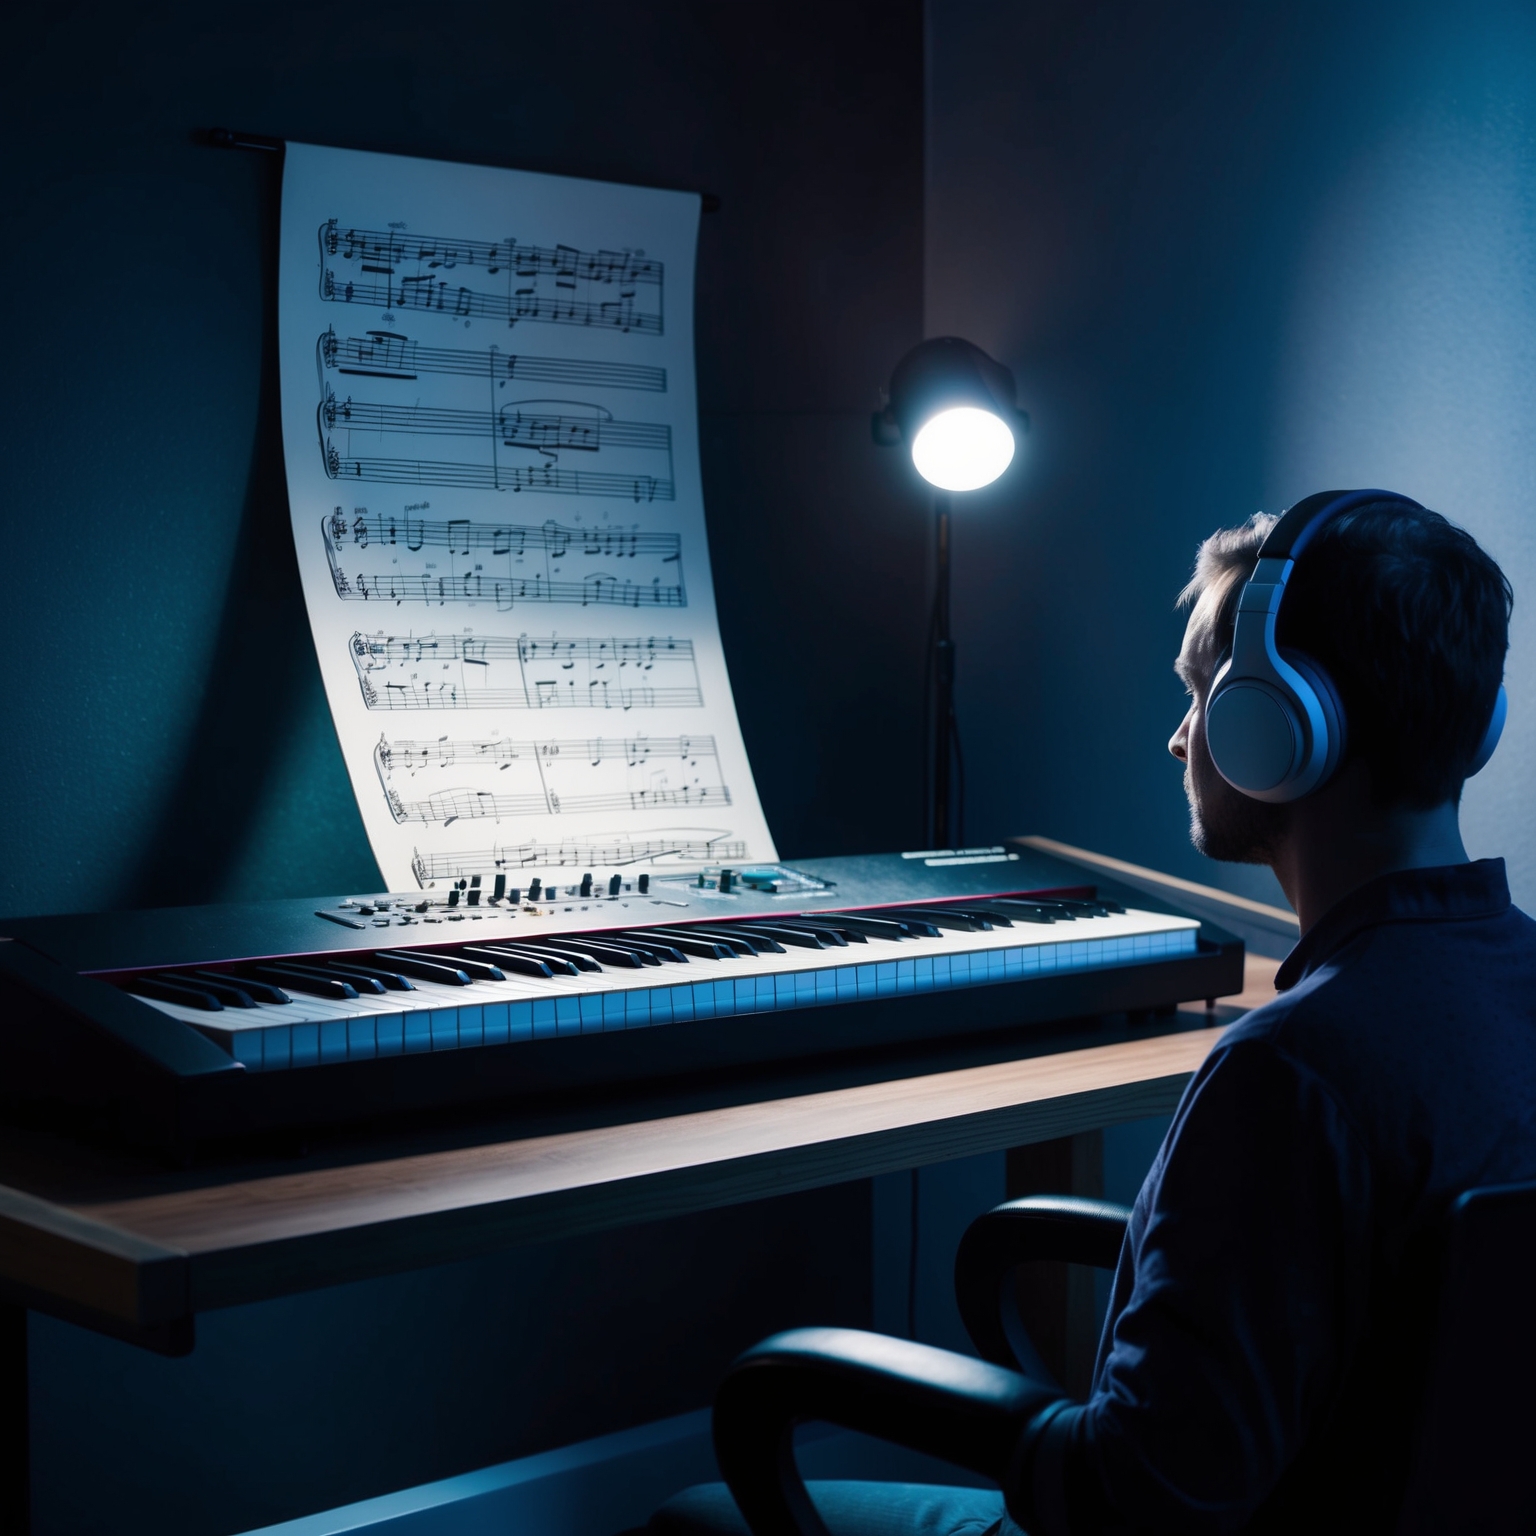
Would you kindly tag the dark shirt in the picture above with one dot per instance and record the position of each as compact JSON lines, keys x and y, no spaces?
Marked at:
{"x":1263,"y":1358}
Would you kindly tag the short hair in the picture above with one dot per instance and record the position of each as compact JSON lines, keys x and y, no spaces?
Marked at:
{"x":1408,"y":616}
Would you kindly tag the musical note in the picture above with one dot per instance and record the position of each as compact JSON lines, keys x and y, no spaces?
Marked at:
{"x":447,"y":805}
{"x":632,"y":752}
{"x":386,"y":355}
{"x":389,"y":558}
{"x":499,"y":778}
{"x":546,"y":429}
{"x":688,"y":847}
{"x":503,"y":672}
{"x":551,"y":741}
{"x":502,"y":280}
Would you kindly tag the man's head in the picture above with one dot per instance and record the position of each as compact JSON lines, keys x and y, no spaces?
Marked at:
{"x":1407,"y":616}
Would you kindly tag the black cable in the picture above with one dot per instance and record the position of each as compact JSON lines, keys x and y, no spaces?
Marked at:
{"x":912,"y":1265}
{"x":930,"y":722}
{"x":954,"y":736}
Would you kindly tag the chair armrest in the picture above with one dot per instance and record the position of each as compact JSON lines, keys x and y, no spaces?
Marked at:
{"x":1062,"y":1228}
{"x":951,"y":1406}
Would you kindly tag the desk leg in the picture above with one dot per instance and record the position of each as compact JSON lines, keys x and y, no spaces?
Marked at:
{"x":15,"y":1465}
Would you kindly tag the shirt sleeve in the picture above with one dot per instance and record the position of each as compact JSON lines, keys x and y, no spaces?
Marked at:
{"x":1250,"y":1243}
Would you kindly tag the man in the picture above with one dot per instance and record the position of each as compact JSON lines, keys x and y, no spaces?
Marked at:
{"x":1263,"y":1356}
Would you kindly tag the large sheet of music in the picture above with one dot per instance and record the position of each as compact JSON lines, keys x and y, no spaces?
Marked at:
{"x":491,"y":437}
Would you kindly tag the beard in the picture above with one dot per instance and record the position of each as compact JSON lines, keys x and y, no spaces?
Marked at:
{"x":1224,"y":824}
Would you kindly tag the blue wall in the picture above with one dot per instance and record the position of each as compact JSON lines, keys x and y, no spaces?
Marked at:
{"x":1235,"y":254}
{"x":165,"y":738}
{"x":165,"y":735}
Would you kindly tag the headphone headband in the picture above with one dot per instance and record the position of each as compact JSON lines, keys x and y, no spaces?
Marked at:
{"x":1300,"y":524}
{"x":1274,"y":722}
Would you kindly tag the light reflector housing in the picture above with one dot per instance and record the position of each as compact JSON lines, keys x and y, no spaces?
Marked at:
{"x":954,"y":408}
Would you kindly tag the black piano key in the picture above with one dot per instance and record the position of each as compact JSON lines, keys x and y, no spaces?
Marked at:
{"x":479,"y":970}
{"x":262,"y":991}
{"x":876,"y":927}
{"x":1024,"y":911}
{"x":1061,"y":911}
{"x":391,"y":981}
{"x":360,"y":980}
{"x":742,"y":943}
{"x":436,"y":969}
{"x":981,"y":912}
{"x":599,"y":954}
{"x":1064,"y":910}
{"x":758,"y":935}
{"x":763,"y":934}
{"x":227,"y":991}
{"x":943,"y":917}
{"x":172,"y":992}
{"x":690,"y":944}
{"x":1084,"y":908}
{"x":801,"y":938}
{"x":826,"y":929}
{"x":316,"y":983}
{"x":551,"y":960}
{"x":511,"y":960}
{"x":578,"y":959}
{"x":669,"y":954}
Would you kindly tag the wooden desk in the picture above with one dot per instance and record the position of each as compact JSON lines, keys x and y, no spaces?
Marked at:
{"x":139,"y":1251}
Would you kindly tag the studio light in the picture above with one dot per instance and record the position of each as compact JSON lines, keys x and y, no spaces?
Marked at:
{"x":954,"y":408}
{"x":962,"y":449}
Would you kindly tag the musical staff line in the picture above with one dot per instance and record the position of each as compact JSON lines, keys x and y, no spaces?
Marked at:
{"x":547,"y":778}
{"x":450,"y":805}
{"x":395,"y":558}
{"x":486,"y":477}
{"x":633,"y":751}
{"x":386,"y":355}
{"x":688,"y":846}
{"x":527,"y":426}
{"x":396,"y":270}
{"x":502,"y":672}
{"x":514,"y":424}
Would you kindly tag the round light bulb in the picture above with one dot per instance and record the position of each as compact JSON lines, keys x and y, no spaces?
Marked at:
{"x":962,"y":449}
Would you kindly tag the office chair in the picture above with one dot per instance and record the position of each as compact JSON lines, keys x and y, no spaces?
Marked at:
{"x":1472,"y":1469}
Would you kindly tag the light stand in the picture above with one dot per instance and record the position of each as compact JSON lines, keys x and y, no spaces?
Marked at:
{"x":943,"y":664}
{"x":953,"y":406}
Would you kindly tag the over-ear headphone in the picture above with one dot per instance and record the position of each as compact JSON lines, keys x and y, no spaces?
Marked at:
{"x":1274,"y":722}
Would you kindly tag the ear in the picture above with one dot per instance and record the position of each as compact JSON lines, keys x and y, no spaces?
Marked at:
{"x":1491,"y":735}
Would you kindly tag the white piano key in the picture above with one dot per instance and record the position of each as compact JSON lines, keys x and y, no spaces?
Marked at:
{"x":436,"y":1016}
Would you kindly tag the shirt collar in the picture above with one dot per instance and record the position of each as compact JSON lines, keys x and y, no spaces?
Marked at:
{"x":1445,"y":893}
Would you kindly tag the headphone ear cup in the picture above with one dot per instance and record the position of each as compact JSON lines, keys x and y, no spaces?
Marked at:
{"x":1331,"y":707}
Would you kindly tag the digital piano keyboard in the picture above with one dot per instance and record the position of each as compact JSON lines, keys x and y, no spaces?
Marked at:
{"x":186,"y":1025}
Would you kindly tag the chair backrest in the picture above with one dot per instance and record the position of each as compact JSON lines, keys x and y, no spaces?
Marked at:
{"x":1475,"y":1466}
